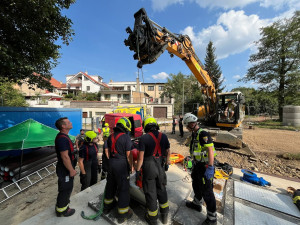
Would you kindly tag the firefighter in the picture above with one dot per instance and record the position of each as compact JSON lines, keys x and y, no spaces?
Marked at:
{"x":88,"y":161}
{"x":203,"y":153}
{"x":117,"y":150}
{"x":65,"y":168}
{"x":154,"y":153}
{"x":105,"y":131}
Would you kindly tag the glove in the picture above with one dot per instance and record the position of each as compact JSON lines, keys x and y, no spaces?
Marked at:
{"x":137,"y":175}
{"x":209,"y":172}
{"x":83,"y":179}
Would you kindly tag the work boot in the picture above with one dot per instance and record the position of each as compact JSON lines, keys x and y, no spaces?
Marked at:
{"x":164,"y":218}
{"x":209,"y":222}
{"x":151,"y":220}
{"x":126,"y":216}
{"x":66,"y":213}
{"x":192,"y":205}
{"x":108,"y":207}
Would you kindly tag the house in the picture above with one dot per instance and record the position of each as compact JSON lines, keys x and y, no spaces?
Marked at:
{"x":154,"y":90}
{"x":83,"y":82}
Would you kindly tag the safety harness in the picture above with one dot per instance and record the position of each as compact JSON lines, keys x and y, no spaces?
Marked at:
{"x":114,"y":141}
{"x":87,"y":151}
{"x":157,"y":150}
{"x":70,"y":143}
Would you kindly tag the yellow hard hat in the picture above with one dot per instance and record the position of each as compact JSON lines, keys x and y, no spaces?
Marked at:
{"x":90,"y":135}
{"x":149,"y":120}
{"x":106,"y":125}
{"x":125,"y":122}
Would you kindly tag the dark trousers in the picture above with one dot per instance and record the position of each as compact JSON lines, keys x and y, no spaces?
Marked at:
{"x":203,"y":187}
{"x":173,"y":128}
{"x":118,"y":179}
{"x":154,"y":184}
{"x":65,"y":186}
{"x":91,"y":170}
{"x":181,"y":130}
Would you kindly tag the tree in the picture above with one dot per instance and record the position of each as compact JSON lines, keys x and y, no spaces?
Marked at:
{"x":276,"y":64}
{"x":213,"y":68}
{"x":174,"y":89}
{"x":10,"y":96}
{"x":29,"y":34}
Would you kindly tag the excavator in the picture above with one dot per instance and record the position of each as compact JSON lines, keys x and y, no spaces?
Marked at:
{"x":222,"y":113}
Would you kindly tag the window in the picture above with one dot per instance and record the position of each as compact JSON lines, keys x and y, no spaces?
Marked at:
{"x":150,"y":88}
{"x":160,"y":88}
{"x":128,"y":88}
{"x":126,"y":96}
{"x":88,"y":88}
{"x":90,"y":114}
{"x":119,"y":95}
{"x":107,"y":96}
{"x":137,"y":123}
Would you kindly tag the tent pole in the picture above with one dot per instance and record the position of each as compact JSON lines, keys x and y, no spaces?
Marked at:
{"x":21,"y":164}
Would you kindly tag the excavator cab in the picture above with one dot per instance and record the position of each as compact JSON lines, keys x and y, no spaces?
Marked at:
{"x":230,"y":110}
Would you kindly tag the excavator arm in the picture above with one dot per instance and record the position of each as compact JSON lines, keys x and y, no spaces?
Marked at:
{"x":149,"y":40}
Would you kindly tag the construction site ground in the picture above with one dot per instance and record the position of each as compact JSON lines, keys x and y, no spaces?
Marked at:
{"x":268,"y":144}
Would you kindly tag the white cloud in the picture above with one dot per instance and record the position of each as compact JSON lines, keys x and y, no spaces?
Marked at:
{"x":159,"y":5}
{"x":160,"y":76}
{"x":237,"y":77}
{"x":233,"y":33}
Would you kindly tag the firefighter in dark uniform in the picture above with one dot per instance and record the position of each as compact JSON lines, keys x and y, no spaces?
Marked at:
{"x":117,"y":150}
{"x":203,"y":152}
{"x":88,"y":161}
{"x":154,"y":155}
{"x":105,"y":133}
{"x":64,"y":167}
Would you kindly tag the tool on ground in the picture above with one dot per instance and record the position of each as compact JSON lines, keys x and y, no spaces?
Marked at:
{"x":98,"y":214}
{"x":251,"y":177}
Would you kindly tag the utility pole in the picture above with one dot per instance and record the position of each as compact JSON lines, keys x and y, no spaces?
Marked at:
{"x":182,"y":98}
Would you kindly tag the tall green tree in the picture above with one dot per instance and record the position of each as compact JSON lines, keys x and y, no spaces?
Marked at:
{"x":29,"y":35}
{"x":10,"y":96}
{"x":276,"y":64}
{"x":212,"y":67}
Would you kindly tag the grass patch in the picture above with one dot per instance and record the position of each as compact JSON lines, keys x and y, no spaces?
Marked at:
{"x":274,"y":124}
{"x":291,"y":156}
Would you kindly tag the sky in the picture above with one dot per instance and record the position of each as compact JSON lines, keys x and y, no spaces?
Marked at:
{"x":232,"y":25}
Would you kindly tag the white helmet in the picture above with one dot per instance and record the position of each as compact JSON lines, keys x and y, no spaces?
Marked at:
{"x":189,"y":118}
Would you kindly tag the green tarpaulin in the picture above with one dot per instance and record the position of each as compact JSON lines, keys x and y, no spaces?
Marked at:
{"x":28,"y":134}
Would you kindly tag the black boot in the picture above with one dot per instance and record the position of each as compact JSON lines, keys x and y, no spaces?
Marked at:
{"x":209,"y":222}
{"x":124,"y":217}
{"x":192,"y":205}
{"x":151,"y":220}
{"x":108,"y":207}
{"x":211,"y":218}
{"x":66,"y":213}
{"x":164,"y":218}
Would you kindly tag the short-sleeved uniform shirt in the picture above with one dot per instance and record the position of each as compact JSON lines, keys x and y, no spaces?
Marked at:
{"x":147,"y":144}
{"x":204,"y":138}
{"x":122,"y":145}
{"x":89,"y":152}
{"x":63,"y":143}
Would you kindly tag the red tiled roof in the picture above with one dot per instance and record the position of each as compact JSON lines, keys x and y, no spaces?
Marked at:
{"x":103,"y":84}
{"x":55,"y":83}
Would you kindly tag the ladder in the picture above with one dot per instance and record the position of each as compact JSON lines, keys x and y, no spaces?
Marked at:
{"x":22,"y":184}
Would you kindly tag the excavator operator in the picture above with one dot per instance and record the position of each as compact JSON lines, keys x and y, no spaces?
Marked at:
{"x":203,"y":153}
{"x":154,"y":153}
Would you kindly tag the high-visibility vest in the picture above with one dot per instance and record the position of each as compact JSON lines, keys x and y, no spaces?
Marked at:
{"x":105,"y":131}
{"x":199,"y":152}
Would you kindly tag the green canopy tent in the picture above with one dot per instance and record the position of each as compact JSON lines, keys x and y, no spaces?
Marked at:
{"x":26,"y":135}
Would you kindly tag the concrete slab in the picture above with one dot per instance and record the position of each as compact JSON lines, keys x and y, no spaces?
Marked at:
{"x":266,"y":198}
{"x":245,"y":215}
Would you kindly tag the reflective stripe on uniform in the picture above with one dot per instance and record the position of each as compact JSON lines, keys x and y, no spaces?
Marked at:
{"x":165,"y":205}
{"x":295,"y":199}
{"x":108,"y":201}
{"x":152,"y":213}
{"x":199,"y":153}
{"x":62,"y":209}
{"x":209,"y":145}
{"x":123,"y":210}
